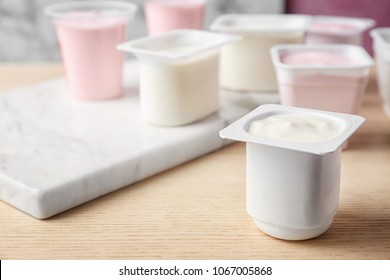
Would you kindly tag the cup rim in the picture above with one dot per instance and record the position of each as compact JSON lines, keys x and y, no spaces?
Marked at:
{"x":213,"y":39}
{"x":366,"y":58}
{"x":61,"y":10}
{"x":179,"y":1}
{"x":360,"y":24}
{"x":238,"y":130}
{"x":225,"y":23}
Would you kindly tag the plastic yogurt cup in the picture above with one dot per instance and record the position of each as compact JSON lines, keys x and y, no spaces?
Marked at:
{"x":88,"y":33}
{"x":293,"y":167}
{"x":167,"y":15}
{"x":337,"y":30}
{"x":325,"y":77}
{"x":246,"y":65}
{"x":381,"y":46}
{"x":178,"y":75}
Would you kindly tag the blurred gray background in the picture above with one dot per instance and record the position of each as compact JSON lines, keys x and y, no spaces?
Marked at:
{"x":26,"y":34}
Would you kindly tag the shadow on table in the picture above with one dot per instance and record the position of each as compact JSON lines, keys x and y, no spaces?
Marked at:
{"x":362,"y":235}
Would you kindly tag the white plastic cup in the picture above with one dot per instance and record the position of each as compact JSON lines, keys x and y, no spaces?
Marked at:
{"x":337,"y":30}
{"x":178,"y":75}
{"x":167,"y":15}
{"x":324,"y":77}
{"x":246,"y":65}
{"x":292,"y":187}
{"x":381,"y":46}
{"x":88,"y":33}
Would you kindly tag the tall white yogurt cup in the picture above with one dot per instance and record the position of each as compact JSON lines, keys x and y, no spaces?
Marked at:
{"x":246,"y":64}
{"x":293,"y":180}
{"x":178,"y":75}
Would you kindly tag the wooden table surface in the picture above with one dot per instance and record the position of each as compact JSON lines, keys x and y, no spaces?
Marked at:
{"x":197,"y":210}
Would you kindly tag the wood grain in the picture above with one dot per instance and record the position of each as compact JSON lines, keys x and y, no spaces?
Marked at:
{"x":197,"y":210}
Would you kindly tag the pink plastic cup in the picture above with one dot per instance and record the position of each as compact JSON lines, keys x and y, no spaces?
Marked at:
{"x":88,"y":33}
{"x":324,"y":77}
{"x":166,"y":15}
{"x":337,"y":30}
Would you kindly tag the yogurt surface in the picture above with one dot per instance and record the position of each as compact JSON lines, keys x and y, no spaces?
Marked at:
{"x":295,"y":128}
{"x":318,"y":58}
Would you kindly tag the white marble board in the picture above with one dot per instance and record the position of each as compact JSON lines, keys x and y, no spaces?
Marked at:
{"x":57,"y":153}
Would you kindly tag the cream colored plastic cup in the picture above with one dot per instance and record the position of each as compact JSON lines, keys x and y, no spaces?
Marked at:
{"x":292,"y":187}
{"x":246,"y":65}
{"x":178,"y":75}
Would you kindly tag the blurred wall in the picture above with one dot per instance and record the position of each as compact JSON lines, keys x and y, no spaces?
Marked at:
{"x":26,"y":34}
{"x":378,"y":10}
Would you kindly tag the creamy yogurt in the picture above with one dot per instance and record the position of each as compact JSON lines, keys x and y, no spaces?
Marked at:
{"x":295,"y":128}
{"x":318,"y":57}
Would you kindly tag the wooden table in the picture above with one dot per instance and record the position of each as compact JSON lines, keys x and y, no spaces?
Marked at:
{"x":197,"y":210}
